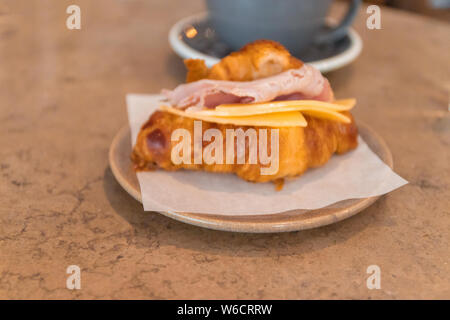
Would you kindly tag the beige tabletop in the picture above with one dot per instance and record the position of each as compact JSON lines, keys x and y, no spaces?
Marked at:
{"x":62,"y":100}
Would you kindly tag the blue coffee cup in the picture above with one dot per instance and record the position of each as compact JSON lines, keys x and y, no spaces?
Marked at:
{"x":296,"y":24}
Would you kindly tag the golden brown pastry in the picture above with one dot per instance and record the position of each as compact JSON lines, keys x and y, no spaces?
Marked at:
{"x":300,"y":148}
{"x":256,"y":60}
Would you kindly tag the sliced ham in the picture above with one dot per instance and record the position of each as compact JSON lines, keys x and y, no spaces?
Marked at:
{"x":304,"y":83}
{"x":325,"y":95}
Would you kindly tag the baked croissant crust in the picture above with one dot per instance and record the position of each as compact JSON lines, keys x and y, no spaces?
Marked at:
{"x":256,"y":60}
{"x":300,"y":148}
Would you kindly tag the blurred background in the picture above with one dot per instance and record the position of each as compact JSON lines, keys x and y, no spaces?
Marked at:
{"x":435,"y":8}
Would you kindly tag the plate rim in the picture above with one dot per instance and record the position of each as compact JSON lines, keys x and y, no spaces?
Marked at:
{"x":324,"y":65}
{"x":226,"y":223}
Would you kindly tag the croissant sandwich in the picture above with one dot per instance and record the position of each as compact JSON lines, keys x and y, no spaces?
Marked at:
{"x":259,"y":113}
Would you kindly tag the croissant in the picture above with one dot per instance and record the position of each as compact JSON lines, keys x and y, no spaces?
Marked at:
{"x":299,"y":148}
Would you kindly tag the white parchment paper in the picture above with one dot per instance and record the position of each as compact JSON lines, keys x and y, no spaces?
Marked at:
{"x":356,"y":174}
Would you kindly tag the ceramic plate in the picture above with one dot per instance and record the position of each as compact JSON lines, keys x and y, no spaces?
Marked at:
{"x":194,"y":37}
{"x":121,"y":166}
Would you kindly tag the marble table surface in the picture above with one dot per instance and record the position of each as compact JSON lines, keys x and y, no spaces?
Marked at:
{"x":62,"y":100}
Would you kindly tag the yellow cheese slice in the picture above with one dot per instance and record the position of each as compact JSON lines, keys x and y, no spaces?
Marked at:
{"x":327,"y":114}
{"x":250,"y":111}
{"x":277,"y":119}
{"x":314,"y":111}
{"x":228,"y":110}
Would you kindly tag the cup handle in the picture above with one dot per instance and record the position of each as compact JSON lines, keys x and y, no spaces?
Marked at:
{"x":341,"y":30}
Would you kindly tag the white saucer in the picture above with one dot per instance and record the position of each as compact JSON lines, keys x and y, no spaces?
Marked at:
{"x":194,"y":37}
